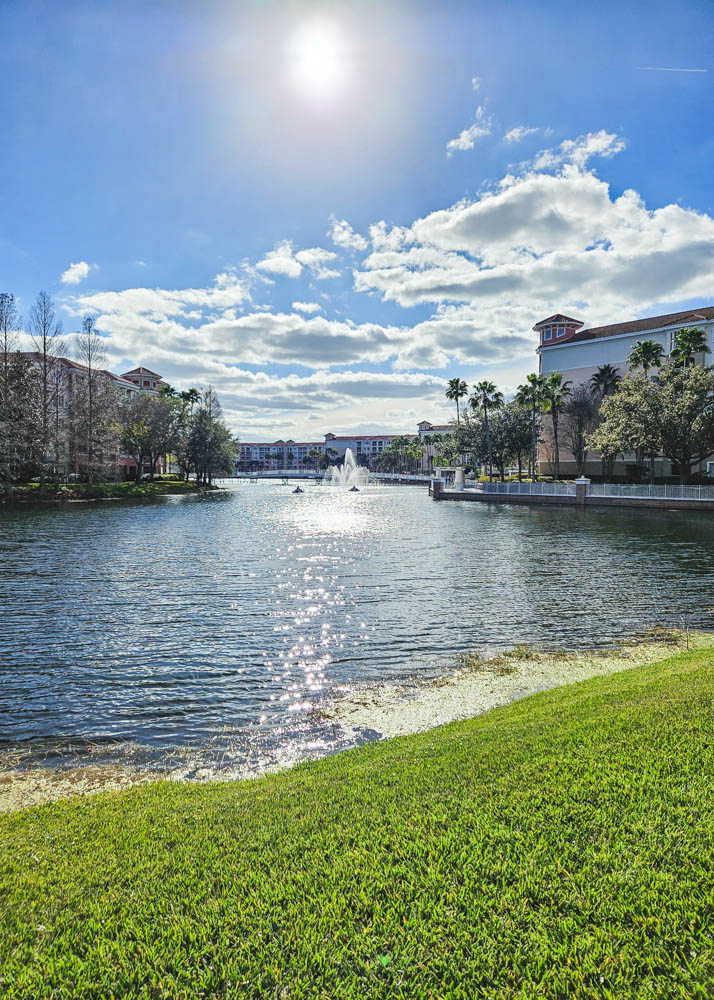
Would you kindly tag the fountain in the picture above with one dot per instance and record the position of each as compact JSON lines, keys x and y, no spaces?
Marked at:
{"x":348,"y":476}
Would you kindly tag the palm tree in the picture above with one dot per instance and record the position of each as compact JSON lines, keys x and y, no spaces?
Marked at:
{"x":457,"y":390}
{"x":191,"y":397}
{"x":645,"y":354}
{"x":606,"y":380}
{"x":555,"y":392}
{"x":688,"y":341}
{"x":486,"y":396}
{"x":530,"y":395}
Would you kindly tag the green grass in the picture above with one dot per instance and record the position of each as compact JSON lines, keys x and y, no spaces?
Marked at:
{"x":117,"y":491}
{"x":560,"y":847}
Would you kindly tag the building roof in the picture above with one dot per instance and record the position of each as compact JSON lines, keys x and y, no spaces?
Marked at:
{"x":370,"y":437}
{"x":141,"y":371}
{"x":689,"y":317}
{"x":282,"y":444}
{"x":37,"y":356}
{"x":557,"y":318}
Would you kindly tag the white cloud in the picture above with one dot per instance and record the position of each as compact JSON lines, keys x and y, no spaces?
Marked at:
{"x":519,"y":133}
{"x":307,"y":307}
{"x":580,"y":150}
{"x":467,"y":138}
{"x":284,"y":259}
{"x":343,"y":235}
{"x":475,"y":82}
{"x":280,"y":260}
{"x":76,"y":272}
{"x":537,"y":244}
{"x":545,"y":240}
{"x":316,"y":260}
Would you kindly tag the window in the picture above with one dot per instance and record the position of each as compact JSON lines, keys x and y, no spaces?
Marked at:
{"x":561,"y":331}
{"x":147,"y":383}
{"x":547,"y":334}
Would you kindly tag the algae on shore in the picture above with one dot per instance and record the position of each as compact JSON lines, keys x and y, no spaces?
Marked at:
{"x":481,"y":683}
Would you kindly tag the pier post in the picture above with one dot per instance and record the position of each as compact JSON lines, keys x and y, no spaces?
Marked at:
{"x":581,"y":490}
{"x":436,"y":488}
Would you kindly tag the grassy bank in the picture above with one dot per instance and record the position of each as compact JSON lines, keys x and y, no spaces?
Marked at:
{"x":30,"y":492}
{"x":559,"y":847}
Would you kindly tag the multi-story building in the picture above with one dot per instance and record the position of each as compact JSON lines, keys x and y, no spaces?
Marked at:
{"x":578,"y":353}
{"x":365,"y":447}
{"x":69,"y":380}
{"x":146,"y":380}
{"x":271,"y":455}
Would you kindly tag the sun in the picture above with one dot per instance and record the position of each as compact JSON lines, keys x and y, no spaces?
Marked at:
{"x":317,"y":62}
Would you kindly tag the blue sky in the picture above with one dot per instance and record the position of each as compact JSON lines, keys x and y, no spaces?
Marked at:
{"x":326,"y":210}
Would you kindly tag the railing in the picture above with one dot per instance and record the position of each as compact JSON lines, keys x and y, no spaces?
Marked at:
{"x":646,"y":492}
{"x":530,"y":489}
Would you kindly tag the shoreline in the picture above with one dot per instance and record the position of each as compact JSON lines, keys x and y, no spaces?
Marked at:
{"x":129,"y":490}
{"x":380,"y":712}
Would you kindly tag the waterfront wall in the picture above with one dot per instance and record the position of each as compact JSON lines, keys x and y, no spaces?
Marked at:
{"x":579,"y":496}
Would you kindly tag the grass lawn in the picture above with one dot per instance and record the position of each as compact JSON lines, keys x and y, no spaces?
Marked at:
{"x":560,"y":847}
{"x":117,"y":491}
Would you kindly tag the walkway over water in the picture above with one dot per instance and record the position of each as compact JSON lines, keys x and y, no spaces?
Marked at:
{"x":582,"y":493}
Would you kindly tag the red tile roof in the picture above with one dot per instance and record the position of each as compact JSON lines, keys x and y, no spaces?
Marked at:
{"x":689,"y":317}
{"x":141,"y":371}
{"x":557,"y":318}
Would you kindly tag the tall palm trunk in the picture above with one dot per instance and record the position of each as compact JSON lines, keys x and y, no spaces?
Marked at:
{"x":556,"y":464}
{"x":533,"y":442}
{"x":488,"y":442}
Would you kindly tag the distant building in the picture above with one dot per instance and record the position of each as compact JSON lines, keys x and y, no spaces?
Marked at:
{"x":365,"y":447}
{"x":427,"y":430}
{"x":146,"y":380}
{"x":577,"y":354}
{"x":271,"y":455}
{"x":69,"y":380}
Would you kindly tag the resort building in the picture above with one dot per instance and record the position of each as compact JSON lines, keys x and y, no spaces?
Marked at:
{"x":274,"y":455}
{"x":427,"y":430}
{"x":144,"y":379}
{"x":69,"y":381}
{"x":366,"y":447}
{"x":577,"y":353}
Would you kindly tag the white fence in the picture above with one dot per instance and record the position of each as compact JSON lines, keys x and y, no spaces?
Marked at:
{"x":530,"y":489}
{"x":646,"y":492}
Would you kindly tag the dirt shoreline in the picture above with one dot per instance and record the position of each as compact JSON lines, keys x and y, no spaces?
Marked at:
{"x":385,"y":710}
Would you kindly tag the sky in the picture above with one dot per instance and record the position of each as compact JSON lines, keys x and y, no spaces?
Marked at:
{"x":326,"y":210}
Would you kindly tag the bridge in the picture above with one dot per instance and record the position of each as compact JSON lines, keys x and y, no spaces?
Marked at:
{"x":319,"y":475}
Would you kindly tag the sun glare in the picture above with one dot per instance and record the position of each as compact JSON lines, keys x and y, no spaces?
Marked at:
{"x":318,"y":62}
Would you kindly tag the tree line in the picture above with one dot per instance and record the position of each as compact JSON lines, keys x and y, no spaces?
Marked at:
{"x":59,"y":420}
{"x":669,"y":413}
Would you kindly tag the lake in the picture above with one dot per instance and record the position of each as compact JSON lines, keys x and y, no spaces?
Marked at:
{"x":207,"y":631}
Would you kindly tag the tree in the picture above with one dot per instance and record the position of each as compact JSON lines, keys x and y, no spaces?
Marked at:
{"x":93,"y":405}
{"x":606,"y":380}
{"x":486,"y":396}
{"x":688,"y":341}
{"x":456,"y":390}
{"x":46,"y":332}
{"x":645,"y":354}
{"x":629,"y":420}
{"x":531,"y":396}
{"x":18,"y":399}
{"x":555,"y":396}
{"x":517,"y":432}
{"x":211,"y":443}
{"x":9,"y":323}
{"x":580,"y":417}
{"x":674,"y":415}
{"x":19,"y":419}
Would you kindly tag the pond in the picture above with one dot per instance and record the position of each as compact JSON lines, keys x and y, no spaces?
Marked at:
{"x":208,"y":631}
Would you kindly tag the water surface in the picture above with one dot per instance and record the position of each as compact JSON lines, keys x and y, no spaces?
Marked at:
{"x":205,"y":631}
